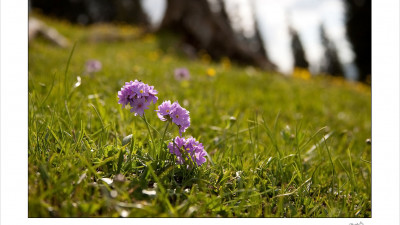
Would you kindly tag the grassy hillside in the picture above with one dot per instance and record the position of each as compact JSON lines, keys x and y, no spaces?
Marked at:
{"x":278,"y":146}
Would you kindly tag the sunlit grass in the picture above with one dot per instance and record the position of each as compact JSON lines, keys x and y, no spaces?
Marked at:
{"x":278,"y":146}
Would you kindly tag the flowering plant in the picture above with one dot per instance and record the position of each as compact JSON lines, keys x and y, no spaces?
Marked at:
{"x":188,"y":150}
{"x":175,"y":113}
{"x":93,"y":66}
{"x":138,"y":95}
{"x":181,"y":74}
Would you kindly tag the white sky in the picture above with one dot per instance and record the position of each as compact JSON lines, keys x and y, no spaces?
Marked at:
{"x":155,"y":9}
{"x":274,"y":18}
{"x":305,"y":16}
{"x":273,"y":25}
{"x":240,"y":13}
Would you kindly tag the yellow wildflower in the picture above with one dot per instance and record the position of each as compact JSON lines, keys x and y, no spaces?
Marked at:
{"x":301,"y":73}
{"x":211,"y":72}
{"x":226,"y":63}
{"x":154,"y":55}
{"x":149,"y":38}
{"x":204,"y":56}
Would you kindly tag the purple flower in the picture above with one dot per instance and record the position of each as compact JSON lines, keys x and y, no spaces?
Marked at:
{"x":174,"y":148}
{"x":181,"y":74}
{"x":141,"y":90}
{"x":138,"y":95}
{"x":200,"y":157}
{"x":175,"y":113}
{"x":139,"y":105}
{"x":93,"y":66}
{"x":180,"y":116}
{"x":152,"y":91}
{"x":164,"y":110}
{"x":187,"y":149}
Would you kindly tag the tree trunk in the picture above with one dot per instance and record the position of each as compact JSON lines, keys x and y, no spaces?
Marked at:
{"x":359,"y":32}
{"x":210,"y":31}
{"x":332,"y":65}
{"x":298,"y":50}
{"x":94,"y":11}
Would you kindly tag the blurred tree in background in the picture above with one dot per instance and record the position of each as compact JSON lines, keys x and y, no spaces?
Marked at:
{"x":93,"y":11}
{"x":359,"y":33}
{"x":331,"y":64}
{"x":211,"y":31}
{"x":298,"y":50}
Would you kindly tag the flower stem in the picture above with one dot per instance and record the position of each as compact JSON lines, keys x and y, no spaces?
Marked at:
{"x":162,"y":140}
{"x":151,"y":135}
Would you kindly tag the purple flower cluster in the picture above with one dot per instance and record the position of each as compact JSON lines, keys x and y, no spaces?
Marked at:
{"x":187,"y":149}
{"x":138,"y":95}
{"x":181,"y":74}
{"x":175,"y":113}
{"x":93,"y":66}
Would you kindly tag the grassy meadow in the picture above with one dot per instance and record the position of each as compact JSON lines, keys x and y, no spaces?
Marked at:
{"x":278,"y":146}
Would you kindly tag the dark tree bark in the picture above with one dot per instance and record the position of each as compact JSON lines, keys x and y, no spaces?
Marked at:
{"x":210,"y":31}
{"x":93,"y":11}
{"x":298,"y":50}
{"x":332,"y":65}
{"x":130,"y":11}
{"x":261,"y":47}
{"x":359,"y":32}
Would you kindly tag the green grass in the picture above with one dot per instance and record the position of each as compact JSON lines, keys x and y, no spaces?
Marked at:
{"x":278,"y":146}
